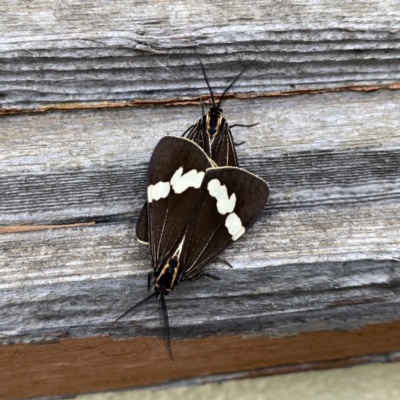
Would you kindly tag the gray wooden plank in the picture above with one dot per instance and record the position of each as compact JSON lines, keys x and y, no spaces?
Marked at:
{"x":297,"y":270}
{"x":309,"y":235}
{"x":123,"y":51}
{"x":325,"y":255}
{"x":314,"y":150}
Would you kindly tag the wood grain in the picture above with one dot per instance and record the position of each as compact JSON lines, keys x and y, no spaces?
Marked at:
{"x":316,"y":281}
{"x":53,"y":53}
{"x":313,"y":150}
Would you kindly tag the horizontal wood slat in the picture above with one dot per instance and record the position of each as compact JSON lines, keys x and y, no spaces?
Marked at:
{"x":89,"y":51}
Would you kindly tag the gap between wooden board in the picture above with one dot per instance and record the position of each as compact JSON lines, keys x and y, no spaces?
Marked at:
{"x":206,"y":99}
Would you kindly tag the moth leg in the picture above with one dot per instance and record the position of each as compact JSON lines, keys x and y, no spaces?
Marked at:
{"x":187,"y":130}
{"x":219,"y":259}
{"x":149,"y":281}
{"x":200,"y":274}
{"x":245,"y":126}
{"x":215,"y":278}
{"x":205,"y":274}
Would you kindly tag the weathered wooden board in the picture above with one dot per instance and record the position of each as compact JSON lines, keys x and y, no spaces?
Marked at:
{"x":295,"y":271}
{"x":330,"y":149}
{"x":88,"y":51}
{"x":325,"y":256}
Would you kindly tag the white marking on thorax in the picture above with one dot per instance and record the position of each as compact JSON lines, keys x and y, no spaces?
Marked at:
{"x":158,"y":191}
{"x":234,"y":226}
{"x":180,"y":182}
{"x":225,"y":204}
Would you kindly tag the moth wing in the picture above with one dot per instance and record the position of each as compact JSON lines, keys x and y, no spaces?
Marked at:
{"x":221,"y":215}
{"x":142,"y":229}
{"x":223,"y":148}
{"x":176,"y":170}
{"x":199,"y":135}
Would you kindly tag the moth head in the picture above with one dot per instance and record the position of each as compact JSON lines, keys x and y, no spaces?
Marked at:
{"x":167,"y":277}
{"x":216,"y":110}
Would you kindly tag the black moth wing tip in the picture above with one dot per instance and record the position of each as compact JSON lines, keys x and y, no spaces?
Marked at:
{"x":173,"y":152}
{"x":251,"y":191}
{"x":142,"y":231}
{"x":237,"y":171}
{"x":167,"y":140}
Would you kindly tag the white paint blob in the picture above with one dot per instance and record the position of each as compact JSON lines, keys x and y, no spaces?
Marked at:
{"x":234,"y":226}
{"x":225,"y":204}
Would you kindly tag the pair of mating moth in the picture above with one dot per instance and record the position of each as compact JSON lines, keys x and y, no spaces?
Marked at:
{"x":198,"y":202}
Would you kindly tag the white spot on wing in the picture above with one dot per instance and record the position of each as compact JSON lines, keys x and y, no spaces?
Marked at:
{"x":150,"y":193}
{"x":234,"y":226}
{"x":225,"y":204}
{"x":180,"y":182}
{"x":158,"y":191}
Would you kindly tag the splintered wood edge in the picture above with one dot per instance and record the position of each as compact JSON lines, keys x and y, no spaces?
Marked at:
{"x":206,"y":99}
{"x":106,"y":364}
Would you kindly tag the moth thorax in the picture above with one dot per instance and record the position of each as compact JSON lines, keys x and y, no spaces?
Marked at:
{"x":167,"y":278}
{"x":214,"y":121}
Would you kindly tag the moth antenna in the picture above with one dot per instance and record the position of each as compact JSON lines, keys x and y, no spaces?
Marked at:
{"x":202,"y":105}
{"x":164,"y":66}
{"x":231,"y":84}
{"x":205,"y":77}
{"x":166,"y":323}
{"x":135,"y":306}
